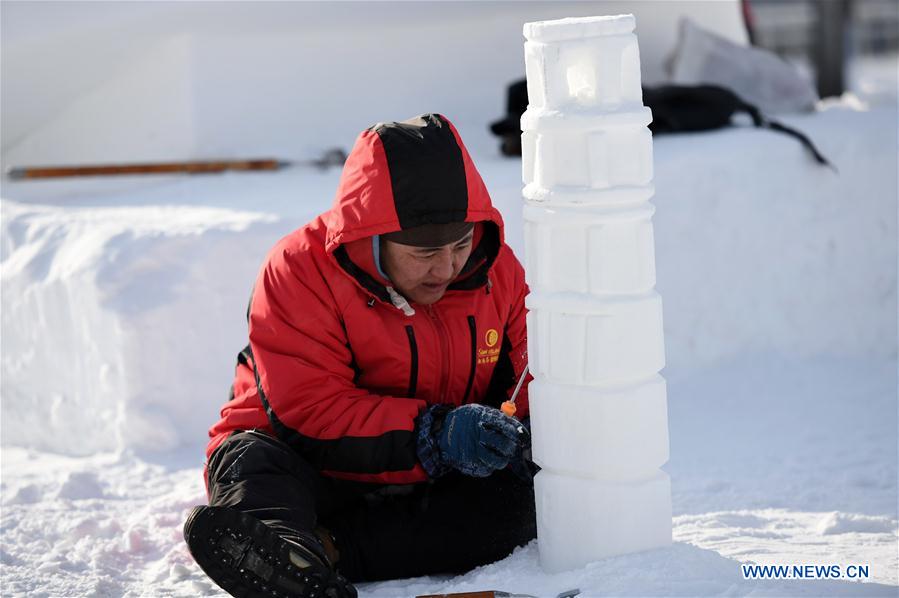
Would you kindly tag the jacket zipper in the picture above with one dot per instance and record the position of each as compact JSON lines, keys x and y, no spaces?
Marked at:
{"x":444,"y":351}
{"x":473,"y":329}
{"x":413,"y":368}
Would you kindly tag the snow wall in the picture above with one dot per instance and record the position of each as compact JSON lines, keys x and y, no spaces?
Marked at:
{"x":123,"y":300}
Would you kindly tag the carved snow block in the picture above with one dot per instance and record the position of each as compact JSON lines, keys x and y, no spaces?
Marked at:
{"x":562,"y":159}
{"x":599,"y":159}
{"x":571,"y":249}
{"x":581,"y":520}
{"x":620,"y":157}
{"x":528,"y":155}
{"x":592,"y":63}
{"x":573,"y":339}
{"x":595,"y":334}
{"x":611,"y":432}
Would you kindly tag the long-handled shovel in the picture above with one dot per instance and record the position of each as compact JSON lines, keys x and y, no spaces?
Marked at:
{"x":332,"y":157}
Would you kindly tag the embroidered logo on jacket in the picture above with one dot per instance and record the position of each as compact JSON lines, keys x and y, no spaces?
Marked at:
{"x":491,"y":353}
{"x":491,"y":337}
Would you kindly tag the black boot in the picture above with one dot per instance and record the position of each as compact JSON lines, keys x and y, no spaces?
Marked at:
{"x":248,"y":559}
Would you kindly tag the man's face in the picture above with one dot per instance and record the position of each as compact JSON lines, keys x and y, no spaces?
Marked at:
{"x":423,"y":273}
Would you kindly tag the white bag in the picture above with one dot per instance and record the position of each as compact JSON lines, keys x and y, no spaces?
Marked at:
{"x":758,"y":76}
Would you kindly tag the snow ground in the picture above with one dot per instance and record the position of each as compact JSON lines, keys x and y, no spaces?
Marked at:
{"x":779,"y":282}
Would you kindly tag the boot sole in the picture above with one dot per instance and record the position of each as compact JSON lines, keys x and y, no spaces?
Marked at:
{"x":249,"y":560}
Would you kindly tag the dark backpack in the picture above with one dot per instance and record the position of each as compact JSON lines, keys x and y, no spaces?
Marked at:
{"x":675,"y":109}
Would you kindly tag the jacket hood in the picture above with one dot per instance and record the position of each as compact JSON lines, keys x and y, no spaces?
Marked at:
{"x":400,"y":175}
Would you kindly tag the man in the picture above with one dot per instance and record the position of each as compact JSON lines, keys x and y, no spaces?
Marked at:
{"x":363,"y":434}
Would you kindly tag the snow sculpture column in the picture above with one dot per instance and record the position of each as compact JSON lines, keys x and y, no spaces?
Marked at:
{"x":598,"y":403}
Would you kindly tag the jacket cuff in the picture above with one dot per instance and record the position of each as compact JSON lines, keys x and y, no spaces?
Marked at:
{"x":428,"y":425}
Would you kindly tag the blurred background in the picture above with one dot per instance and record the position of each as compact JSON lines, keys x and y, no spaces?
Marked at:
{"x":146,"y":80}
{"x":114,"y":81}
{"x":826,"y":39}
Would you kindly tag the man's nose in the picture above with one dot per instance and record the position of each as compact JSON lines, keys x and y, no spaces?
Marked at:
{"x":442,"y":267}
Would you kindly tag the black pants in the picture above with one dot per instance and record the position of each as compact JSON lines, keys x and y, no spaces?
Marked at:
{"x":450,"y":525}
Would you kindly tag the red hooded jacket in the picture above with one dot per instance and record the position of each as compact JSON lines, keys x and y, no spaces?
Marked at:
{"x":338,"y":371}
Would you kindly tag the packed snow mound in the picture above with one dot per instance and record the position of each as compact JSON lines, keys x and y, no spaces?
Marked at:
{"x":88,"y":293}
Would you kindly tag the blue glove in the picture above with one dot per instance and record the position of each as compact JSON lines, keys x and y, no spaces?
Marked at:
{"x":473,"y":439}
{"x":522,"y":465}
